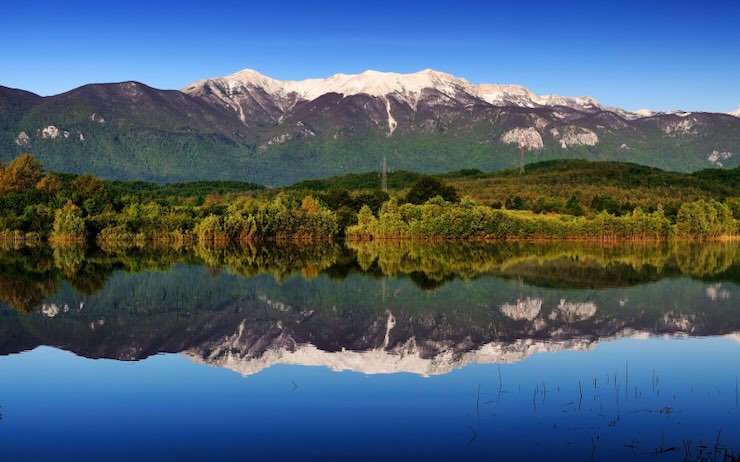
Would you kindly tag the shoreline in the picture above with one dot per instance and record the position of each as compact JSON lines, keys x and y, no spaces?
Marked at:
{"x":34,"y":240}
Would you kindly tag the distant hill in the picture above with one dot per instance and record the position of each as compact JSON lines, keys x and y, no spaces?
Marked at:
{"x":624,"y":182}
{"x":253,"y":128}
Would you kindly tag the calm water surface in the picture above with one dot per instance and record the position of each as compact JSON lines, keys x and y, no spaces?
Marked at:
{"x":371,"y":352}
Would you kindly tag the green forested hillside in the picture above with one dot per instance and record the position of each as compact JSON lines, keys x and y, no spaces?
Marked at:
{"x":629,"y":185}
{"x":130,"y":131}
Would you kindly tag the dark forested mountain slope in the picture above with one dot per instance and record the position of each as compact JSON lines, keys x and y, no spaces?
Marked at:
{"x":249,"y":127}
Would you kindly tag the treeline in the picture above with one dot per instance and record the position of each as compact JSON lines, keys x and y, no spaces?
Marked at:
{"x":439,"y":219}
{"x":70,"y":209}
{"x":573,"y":187}
{"x":192,"y":189}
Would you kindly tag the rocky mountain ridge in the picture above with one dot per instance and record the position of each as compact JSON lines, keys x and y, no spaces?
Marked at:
{"x":251,"y":127}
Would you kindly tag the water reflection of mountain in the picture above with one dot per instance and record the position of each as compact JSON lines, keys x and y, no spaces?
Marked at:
{"x":360,"y":311}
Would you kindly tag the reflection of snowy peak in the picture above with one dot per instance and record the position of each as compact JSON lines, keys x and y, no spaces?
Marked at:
{"x":400,"y":342}
{"x":251,"y":326}
{"x":407,"y":358}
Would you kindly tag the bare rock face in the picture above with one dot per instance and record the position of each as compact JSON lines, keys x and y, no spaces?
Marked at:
{"x":574,"y":311}
{"x":532,"y":138}
{"x":23,"y":139}
{"x":527,"y":309}
{"x":50,"y":132}
{"x":717,"y":292}
{"x":688,"y":126}
{"x":575,"y":136}
{"x":716,"y":157}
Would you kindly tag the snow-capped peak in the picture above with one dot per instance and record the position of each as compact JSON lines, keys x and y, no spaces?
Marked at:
{"x":407,"y":87}
{"x":498,"y":94}
{"x":376,"y":83}
{"x":643,"y":112}
{"x":250,"y":75}
{"x":373,"y":83}
{"x":736,"y":112}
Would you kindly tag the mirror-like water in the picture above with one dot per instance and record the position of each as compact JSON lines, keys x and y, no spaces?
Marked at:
{"x":371,"y":351}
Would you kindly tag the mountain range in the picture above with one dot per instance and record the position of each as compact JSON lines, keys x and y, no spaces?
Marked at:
{"x":247,"y":126}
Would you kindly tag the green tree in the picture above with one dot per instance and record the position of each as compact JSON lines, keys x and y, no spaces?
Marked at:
{"x":606,"y":204}
{"x":704,"y":219}
{"x":366,"y":227}
{"x":51,"y":183}
{"x":68,"y":222}
{"x":90,"y":191}
{"x":337,"y":198}
{"x":20,"y":175}
{"x":734,"y":204}
{"x":573,"y":206}
{"x":211,"y":230}
{"x":373,"y":199}
{"x":429,"y":187}
{"x":515,"y":203}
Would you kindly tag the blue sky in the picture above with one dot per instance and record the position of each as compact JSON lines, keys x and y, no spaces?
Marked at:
{"x":655,"y":54}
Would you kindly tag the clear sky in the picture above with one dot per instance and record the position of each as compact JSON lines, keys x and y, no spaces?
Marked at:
{"x":632,"y":54}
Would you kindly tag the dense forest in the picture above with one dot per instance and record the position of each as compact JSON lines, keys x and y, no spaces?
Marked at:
{"x":549,"y":200}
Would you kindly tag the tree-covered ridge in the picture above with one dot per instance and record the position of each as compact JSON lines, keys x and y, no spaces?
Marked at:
{"x":198,"y":189}
{"x":128,"y":130}
{"x":614,"y":186}
{"x":70,"y":209}
{"x":561,"y":171}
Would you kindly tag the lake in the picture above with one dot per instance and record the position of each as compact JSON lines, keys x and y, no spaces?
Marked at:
{"x":371,"y":351}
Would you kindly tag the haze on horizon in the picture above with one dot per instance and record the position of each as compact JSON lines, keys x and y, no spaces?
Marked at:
{"x":661,"y":55}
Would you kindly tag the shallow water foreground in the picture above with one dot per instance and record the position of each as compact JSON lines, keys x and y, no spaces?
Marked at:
{"x":392,"y":352}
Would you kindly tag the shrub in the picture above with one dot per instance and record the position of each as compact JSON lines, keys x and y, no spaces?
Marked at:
{"x":429,"y":187}
{"x":704,"y":219}
{"x":68,"y":223}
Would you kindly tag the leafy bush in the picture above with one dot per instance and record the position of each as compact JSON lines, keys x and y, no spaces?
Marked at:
{"x":429,"y":187}
{"x":438,"y":219}
{"x":68,"y":223}
{"x":704,"y":219}
{"x":20,"y":175}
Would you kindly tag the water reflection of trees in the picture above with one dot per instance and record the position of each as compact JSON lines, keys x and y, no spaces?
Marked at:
{"x":25,"y":294}
{"x":559,"y":264}
{"x":28,"y":275}
{"x":700,"y":260}
{"x":279,"y":261}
